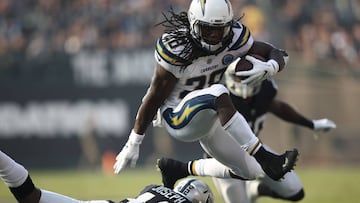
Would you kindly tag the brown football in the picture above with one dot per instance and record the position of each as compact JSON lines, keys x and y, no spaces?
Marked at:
{"x":244,"y":65}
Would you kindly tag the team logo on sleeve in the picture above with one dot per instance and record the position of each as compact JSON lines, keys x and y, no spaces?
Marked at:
{"x":227,"y":59}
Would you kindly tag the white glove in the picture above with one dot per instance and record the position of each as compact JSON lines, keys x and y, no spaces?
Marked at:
{"x":323,"y":124}
{"x":260,"y":71}
{"x":130,"y":152}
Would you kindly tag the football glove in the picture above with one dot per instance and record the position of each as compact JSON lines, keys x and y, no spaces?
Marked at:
{"x":323,"y":125}
{"x":130,"y":152}
{"x":260,"y":71}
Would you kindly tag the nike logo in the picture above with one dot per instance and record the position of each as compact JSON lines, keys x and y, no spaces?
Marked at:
{"x":286,"y":162}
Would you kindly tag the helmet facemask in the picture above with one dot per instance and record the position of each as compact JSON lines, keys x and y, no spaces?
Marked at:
{"x":211,"y":37}
{"x":210,"y":23}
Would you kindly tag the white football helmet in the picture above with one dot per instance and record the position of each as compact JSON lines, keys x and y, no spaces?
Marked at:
{"x":195,"y":190}
{"x":210,"y":22}
{"x":233,"y":83}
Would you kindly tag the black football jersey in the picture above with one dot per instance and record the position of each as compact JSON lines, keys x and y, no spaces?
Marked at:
{"x":255,"y":108}
{"x":157,"y":194}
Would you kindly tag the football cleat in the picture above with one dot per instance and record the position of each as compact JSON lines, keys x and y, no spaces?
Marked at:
{"x":276,"y":166}
{"x":171,"y":171}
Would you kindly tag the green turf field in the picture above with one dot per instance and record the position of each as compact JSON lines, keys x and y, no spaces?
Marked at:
{"x":325,"y":185}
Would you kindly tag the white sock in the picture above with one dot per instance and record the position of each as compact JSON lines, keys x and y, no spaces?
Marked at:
{"x":12,"y":173}
{"x":209,"y":167}
{"x":239,"y":129}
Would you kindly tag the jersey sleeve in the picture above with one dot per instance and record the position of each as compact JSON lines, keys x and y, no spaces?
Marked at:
{"x":266,"y":95}
{"x":270,"y":87}
{"x":167,"y":54}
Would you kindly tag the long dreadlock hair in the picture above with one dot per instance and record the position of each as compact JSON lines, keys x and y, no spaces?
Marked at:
{"x":177,"y":26}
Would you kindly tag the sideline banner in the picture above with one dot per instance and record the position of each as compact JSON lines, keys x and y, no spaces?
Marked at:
{"x":57,"y":126}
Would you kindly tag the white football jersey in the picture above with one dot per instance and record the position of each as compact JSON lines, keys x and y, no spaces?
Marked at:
{"x":203,"y":71}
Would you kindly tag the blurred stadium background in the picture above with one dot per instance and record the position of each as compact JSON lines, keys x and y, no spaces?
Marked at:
{"x":72,"y":75}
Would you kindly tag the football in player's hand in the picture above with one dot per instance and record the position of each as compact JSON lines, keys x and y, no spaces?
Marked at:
{"x":244,"y":65}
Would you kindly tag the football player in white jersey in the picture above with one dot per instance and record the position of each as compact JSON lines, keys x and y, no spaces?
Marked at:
{"x":18,"y":179}
{"x":253,"y":101}
{"x":192,"y":56}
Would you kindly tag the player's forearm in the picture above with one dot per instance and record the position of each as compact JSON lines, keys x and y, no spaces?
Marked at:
{"x":269,"y":52}
{"x":298,"y":119}
{"x":278,"y":56}
{"x":289,"y":114}
{"x":161,"y":86}
{"x":144,"y":117}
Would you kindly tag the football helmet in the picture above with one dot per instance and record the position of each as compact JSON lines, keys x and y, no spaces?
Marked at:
{"x":195,"y":190}
{"x":233,"y":83}
{"x":210,"y":23}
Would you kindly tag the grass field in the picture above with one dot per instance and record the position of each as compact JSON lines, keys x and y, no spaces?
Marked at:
{"x":322,"y":185}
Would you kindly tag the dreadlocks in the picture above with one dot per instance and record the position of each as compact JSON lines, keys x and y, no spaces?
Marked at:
{"x":175,"y":21}
{"x":177,"y":26}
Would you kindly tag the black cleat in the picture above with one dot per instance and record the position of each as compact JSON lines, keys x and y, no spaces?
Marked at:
{"x":276,"y":166}
{"x":171,"y":171}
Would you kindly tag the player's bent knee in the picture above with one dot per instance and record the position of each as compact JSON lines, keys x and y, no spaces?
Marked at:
{"x":219,"y":89}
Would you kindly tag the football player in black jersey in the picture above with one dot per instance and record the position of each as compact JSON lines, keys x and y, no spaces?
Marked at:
{"x":17,"y":178}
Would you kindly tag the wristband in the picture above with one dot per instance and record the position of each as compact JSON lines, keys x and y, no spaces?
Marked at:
{"x":135,"y":138}
{"x":274,"y":64}
{"x":286,"y":59}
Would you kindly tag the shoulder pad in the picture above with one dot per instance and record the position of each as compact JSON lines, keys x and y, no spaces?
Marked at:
{"x":241,"y":36}
{"x":170,"y":49}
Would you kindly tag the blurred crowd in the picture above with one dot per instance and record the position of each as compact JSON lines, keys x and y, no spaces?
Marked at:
{"x":320,"y":31}
{"x":34,"y":30}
